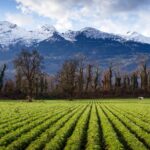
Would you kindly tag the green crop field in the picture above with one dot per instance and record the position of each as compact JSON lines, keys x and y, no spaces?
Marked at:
{"x":75,"y":125}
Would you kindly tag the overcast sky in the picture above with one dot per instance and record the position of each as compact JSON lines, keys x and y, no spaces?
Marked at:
{"x":115,"y":16}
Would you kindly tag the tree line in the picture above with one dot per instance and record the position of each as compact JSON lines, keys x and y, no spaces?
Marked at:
{"x":77,"y":78}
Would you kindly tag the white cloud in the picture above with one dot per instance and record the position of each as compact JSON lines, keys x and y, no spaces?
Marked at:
{"x":19,"y":19}
{"x":118,"y":16}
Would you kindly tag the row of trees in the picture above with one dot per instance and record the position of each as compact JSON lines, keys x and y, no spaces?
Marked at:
{"x":84,"y":80}
{"x":76,"y":79}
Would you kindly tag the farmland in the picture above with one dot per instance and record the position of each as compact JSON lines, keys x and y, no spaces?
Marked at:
{"x":75,"y":125}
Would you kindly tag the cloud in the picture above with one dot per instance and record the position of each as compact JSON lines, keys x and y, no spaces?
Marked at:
{"x":110,"y":15}
{"x":19,"y":19}
{"x":129,"y":5}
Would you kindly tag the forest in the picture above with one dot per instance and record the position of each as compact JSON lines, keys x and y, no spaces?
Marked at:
{"x":77,"y":78}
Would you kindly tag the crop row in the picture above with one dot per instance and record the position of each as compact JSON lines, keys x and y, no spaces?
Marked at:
{"x":128,"y":139}
{"x":135,"y":119}
{"x":141,"y":135}
{"x":51,"y":132}
{"x":77,"y":139}
{"x":60,"y":139}
{"x":43,"y":122}
{"x":19,"y":125}
{"x":110,"y":137}
{"x":87,"y":125}
{"x":134,"y":114}
{"x":94,"y":132}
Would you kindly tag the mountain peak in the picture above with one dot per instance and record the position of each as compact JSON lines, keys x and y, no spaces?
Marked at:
{"x":135,"y":36}
{"x":10,"y":33}
{"x":6,"y":24}
{"x":89,"y":29}
{"x":70,"y":35}
{"x":48,"y":28}
{"x":95,"y":33}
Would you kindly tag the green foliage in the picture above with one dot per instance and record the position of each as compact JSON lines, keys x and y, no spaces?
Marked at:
{"x":75,"y":125}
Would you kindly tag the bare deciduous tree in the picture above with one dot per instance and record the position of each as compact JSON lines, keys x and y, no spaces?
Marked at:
{"x":96,"y":79}
{"x":88,"y":78}
{"x":67,"y":77}
{"x":30,"y":65}
{"x":2,"y":74}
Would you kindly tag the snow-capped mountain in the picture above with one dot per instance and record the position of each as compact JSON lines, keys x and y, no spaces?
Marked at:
{"x":96,"y":34}
{"x":10,"y":34}
{"x":70,"y":35}
{"x":98,"y":46}
{"x":90,"y":33}
{"x":137,"y":37}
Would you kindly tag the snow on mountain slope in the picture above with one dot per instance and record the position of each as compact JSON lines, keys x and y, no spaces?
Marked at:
{"x":56,"y":47}
{"x":134,"y":36}
{"x":90,"y":33}
{"x":10,"y":34}
{"x":44,"y":32}
{"x":94,"y":33}
{"x":70,"y":35}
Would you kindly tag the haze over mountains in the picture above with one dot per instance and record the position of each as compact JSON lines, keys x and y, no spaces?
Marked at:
{"x":99,"y":47}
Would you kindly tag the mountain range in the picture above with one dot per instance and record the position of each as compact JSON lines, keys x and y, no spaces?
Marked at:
{"x":99,"y":47}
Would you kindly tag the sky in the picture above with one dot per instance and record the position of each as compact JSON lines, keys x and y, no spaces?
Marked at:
{"x":113,"y":16}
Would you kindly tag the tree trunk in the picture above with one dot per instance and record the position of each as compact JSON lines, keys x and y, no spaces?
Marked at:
{"x":30,"y":91}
